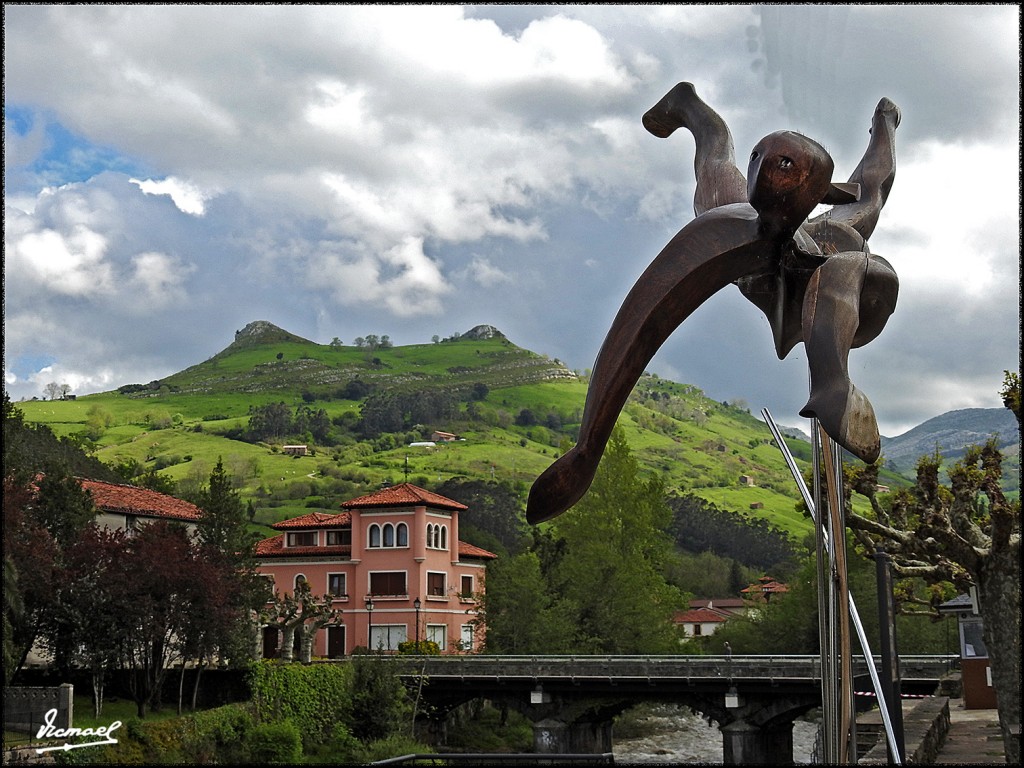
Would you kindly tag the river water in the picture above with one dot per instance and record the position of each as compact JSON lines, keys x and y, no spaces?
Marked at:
{"x":678,"y":735}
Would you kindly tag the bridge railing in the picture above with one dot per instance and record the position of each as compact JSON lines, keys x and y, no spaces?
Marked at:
{"x":759,"y":666}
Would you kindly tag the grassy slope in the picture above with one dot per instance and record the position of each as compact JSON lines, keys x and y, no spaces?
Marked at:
{"x":696,"y":444}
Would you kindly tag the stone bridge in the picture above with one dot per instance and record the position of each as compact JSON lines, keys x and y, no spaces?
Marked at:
{"x":572,"y":700}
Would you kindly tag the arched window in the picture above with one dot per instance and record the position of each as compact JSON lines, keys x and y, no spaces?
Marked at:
{"x":444,"y":537}
{"x":374,"y":535}
{"x":389,"y":535}
{"x":403,"y":535}
{"x":430,"y":535}
{"x":300,"y":582}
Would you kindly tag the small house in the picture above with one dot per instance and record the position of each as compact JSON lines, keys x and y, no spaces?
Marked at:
{"x":975,"y":672}
{"x":295,"y":450}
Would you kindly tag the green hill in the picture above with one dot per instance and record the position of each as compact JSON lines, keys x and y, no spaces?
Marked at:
{"x":513,"y":411}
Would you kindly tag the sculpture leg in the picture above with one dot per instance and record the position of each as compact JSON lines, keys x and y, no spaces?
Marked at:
{"x":719,"y":181}
{"x":848,"y":300}
{"x":874,"y":174}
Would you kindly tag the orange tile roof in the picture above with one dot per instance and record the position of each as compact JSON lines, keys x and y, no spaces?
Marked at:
{"x":315,"y":520}
{"x":766,"y":585}
{"x":274,"y":547}
{"x":699,"y":616}
{"x":469,"y":550}
{"x":129,"y":500}
{"x":404,"y":495}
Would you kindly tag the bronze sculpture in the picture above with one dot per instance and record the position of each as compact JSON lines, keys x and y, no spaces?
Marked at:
{"x":815,"y":279}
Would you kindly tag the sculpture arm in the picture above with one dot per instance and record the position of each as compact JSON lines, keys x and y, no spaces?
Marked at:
{"x":709,"y":253}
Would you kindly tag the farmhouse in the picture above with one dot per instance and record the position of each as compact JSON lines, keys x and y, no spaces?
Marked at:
{"x":763,"y":589}
{"x":705,"y":617}
{"x":393,"y":565}
{"x":125,"y":507}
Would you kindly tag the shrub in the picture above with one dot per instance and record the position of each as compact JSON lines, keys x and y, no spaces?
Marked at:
{"x":275,"y":743}
{"x":422,"y":648}
{"x":314,"y":697}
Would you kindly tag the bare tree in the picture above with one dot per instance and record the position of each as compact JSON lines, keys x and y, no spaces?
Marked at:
{"x":967,"y":534}
{"x":301,"y":612}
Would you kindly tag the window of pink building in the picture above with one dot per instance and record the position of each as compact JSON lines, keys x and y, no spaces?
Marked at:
{"x":339,"y":538}
{"x":388,"y":583}
{"x":436,"y":586}
{"x":302,"y":539}
{"x":336,"y":584}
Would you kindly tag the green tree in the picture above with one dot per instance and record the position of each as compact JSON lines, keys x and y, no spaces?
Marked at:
{"x":616,"y":552}
{"x":379,"y":704}
{"x":519,"y":612}
{"x":221,"y":614}
{"x":223,"y":525}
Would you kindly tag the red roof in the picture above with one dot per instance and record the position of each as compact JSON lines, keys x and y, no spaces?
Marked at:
{"x":129,"y":500}
{"x":723,"y":604}
{"x":315,"y":520}
{"x":767,"y":585}
{"x":700,"y":616}
{"x":274,"y":547}
{"x":404,"y":495}
{"x":468,"y":550}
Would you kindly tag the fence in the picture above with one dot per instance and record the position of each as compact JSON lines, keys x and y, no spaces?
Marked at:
{"x":25,"y":708}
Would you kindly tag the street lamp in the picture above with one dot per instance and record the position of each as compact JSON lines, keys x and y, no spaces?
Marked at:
{"x":417,"y":604}
{"x":369,"y":622}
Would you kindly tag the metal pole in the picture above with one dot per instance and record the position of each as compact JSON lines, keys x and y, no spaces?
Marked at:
{"x":841,"y":621}
{"x":854,"y":614}
{"x":369,"y":623}
{"x":825,"y":604}
{"x":887,"y":649}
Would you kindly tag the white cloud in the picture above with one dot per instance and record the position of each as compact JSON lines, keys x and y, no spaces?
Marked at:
{"x":482,"y":272}
{"x":950,"y":205}
{"x":366,"y":159}
{"x":70,"y":263}
{"x":188,"y":197}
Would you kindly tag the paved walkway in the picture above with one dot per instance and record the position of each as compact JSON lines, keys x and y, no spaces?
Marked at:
{"x":974,"y":737}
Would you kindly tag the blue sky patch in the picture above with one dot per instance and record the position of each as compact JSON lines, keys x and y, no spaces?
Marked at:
{"x":28,"y":364}
{"x":67,"y":157}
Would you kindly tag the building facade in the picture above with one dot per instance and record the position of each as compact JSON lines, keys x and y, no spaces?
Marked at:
{"x":393,"y":567}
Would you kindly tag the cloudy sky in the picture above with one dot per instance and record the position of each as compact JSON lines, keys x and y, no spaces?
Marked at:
{"x":173,"y":173}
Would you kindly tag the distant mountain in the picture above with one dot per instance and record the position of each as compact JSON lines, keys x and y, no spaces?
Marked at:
{"x":368,"y":413}
{"x":951,"y":433}
{"x":262,"y":332}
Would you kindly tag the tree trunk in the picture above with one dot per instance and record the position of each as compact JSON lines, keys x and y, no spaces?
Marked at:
{"x":97,"y":692}
{"x":195,"y":686}
{"x":999,"y":598}
{"x":287,"y":643}
{"x":181,"y":686}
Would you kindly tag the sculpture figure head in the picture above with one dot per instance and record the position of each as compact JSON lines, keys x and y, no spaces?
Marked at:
{"x":788,"y":175}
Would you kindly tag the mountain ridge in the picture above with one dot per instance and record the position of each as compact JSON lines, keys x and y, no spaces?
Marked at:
{"x":516,"y":409}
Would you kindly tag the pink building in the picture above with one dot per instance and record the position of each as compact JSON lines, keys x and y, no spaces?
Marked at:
{"x":392,"y":563}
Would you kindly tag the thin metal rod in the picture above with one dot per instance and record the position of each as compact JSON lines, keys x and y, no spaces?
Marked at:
{"x":834,"y":483}
{"x":854,"y":614}
{"x":826,"y":611}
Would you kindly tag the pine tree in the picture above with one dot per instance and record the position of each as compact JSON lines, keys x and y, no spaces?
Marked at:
{"x":616,"y":554}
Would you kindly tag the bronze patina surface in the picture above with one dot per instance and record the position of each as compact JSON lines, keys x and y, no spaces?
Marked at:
{"x":814,"y":278}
